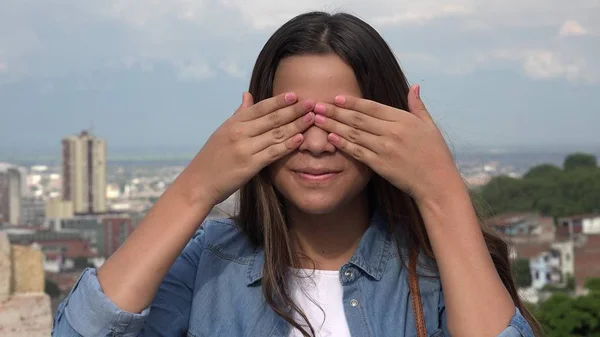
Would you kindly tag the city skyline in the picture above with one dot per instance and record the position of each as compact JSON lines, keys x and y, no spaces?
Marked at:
{"x":166,"y":76}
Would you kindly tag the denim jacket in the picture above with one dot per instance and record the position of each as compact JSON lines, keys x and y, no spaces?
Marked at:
{"x":213,"y":289}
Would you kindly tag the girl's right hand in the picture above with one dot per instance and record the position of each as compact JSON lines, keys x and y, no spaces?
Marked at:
{"x":252,"y":138}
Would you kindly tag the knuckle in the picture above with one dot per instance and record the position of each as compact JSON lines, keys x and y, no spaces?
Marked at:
{"x":274,"y":119}
{"x":353,"y":135}
{"x":357,"y":120}
{"x":278,"y":134}
{"x":396,"y":136}
{"x":386,"y":146}
{"x":240,"y":153}
{"x":272,"y":152}
{"x":358,"y":152}
{"x":333,"y":112}
{"x":236,"y":132}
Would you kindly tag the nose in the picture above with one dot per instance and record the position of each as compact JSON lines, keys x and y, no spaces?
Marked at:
{"x":315,"y":142}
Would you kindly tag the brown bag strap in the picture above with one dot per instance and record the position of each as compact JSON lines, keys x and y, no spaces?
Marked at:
{"x":415,"y":294}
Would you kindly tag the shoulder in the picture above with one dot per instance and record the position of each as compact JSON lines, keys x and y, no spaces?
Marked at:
{"x":224,"y":238}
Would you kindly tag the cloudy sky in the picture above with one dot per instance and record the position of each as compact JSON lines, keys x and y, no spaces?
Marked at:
{"x":160,"y":74}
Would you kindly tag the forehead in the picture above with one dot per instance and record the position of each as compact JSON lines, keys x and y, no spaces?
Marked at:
{"x":317,"y":77}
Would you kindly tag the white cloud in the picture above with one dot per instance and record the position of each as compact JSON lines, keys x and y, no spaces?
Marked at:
{"x":232,"y":68}
{"x":455,"y":36}
{"x":151,"y":12}
{"x":542,"y":64}
{"x":193,"y":70}
{"x":572,"y":28}
{"x":548,"y":65}
{"x":423,"y":14}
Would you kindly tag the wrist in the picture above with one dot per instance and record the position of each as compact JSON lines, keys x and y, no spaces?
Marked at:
{"x":192,"y":192}
{"x":448,"y":190}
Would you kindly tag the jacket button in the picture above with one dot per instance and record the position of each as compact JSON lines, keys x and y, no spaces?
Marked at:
{"x":348,"y":273}
{"x":353,"y":302}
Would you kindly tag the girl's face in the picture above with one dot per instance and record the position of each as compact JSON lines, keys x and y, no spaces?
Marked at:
{"x":317,"y":178}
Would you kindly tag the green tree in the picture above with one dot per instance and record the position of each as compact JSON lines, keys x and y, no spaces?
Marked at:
{"x":563,"y":316}
{"x":579,"y":159}
{"x":543,"y":171}
{"x":593,"y":284}
{"x":547,"y":189}
{"x":521,"y":272}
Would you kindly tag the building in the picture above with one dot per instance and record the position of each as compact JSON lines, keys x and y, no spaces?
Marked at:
{"x":33,"y":211}
{"x":524,"y":227}
{"x":579,"y":224}
{"x":117,"y":228}
{"x":60,"y":249}
{"x":587,"y":257}
{"x":545,"y":269}
{"x":10,"y":194}
{"x":56,"y":208}
{"x":553,"y":266}
{"x":84,"y":173}
{"x":90,"y":229}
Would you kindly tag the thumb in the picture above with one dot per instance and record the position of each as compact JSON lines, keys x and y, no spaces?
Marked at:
{"x":247,"y":100}
{"x":416,"y":105}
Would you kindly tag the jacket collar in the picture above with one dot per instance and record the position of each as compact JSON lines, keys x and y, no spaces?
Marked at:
{"x":371,"y":255}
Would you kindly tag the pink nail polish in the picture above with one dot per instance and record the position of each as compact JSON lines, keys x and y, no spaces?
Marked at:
{"x":334,"y":138}
{"x":339,"y":99}
{"x":418,"y":91}
{"x":320,"y":108}
{"x":290,"y":97}
{"x":308,"y":117}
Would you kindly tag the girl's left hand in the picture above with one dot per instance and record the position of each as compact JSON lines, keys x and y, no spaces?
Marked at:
{"x":405,"y":148}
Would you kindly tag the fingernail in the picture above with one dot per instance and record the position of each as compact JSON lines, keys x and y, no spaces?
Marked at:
{"x":320,"y":119}
{"x":308,"y":117}
{"x":339,"y":99}
{"x":418,"y":91}
{"x":290,"y":97}
{"x":334,"y":138}
{"x":298,"y":138}
{"x":320,"y":108}
{"x":309,"y":105}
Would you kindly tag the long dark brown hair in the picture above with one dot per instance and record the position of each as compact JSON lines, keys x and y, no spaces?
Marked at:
{"x":261,"y":211}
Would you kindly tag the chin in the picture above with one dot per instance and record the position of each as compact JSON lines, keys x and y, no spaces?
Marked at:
{"x":315,"y":204}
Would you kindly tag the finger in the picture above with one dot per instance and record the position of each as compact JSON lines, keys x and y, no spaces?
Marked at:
{"x":416,"y":105}
{"x":268,"y":105}
{"x":356,"y":151}
{"x":276,"y":151}
{"x":247,"y":101}
{"x":282,"y":133}
{"x":349,"y":133}
{"x":368,"y":107}
{"x":352,"y":118}
{"x":278,"y":118}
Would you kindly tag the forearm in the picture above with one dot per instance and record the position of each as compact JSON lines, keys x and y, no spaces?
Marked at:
{"x":477,"y":303}
{"x":132,"y":275}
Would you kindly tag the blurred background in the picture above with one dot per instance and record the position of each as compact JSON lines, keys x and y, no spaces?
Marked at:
{"x":103,"y":103}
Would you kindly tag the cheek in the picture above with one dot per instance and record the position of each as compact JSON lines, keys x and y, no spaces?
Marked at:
{"x":361,"y":170}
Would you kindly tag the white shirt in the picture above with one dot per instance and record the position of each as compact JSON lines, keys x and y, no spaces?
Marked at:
{"x":319,"y":294}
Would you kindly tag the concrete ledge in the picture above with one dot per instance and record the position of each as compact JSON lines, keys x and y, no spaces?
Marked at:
{"x":24,"y":307}
{"x":26,"y":315}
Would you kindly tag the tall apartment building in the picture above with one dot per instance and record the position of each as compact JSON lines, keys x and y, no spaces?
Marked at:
{"x":10,"y":194}
{"x":84,"y":173}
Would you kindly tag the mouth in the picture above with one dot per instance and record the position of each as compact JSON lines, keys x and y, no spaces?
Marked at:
{"x":316,"y":175}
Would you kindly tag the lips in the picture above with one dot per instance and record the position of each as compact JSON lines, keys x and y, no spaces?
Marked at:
{"x":316,"y":174}
{"x":316,"y":171}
